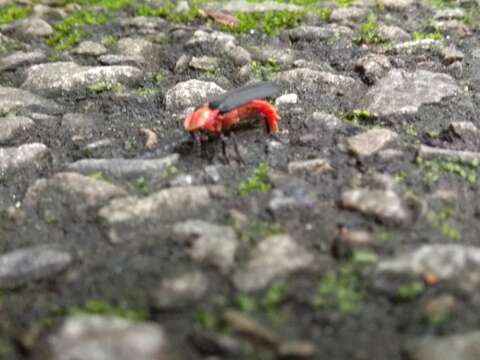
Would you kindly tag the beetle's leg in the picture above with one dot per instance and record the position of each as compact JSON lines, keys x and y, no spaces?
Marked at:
{"x":223,"y":139}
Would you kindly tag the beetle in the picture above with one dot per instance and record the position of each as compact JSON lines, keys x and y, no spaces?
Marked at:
{"x":220,"y":113}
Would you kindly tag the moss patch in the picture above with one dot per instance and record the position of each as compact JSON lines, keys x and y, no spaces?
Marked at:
{"x":100,"y":307}
{"x":433,"y":35}
{"x":13,"y":12}
{"x":432,"y":169}
{"x":258,"y":182}
{"x":369,"y":33}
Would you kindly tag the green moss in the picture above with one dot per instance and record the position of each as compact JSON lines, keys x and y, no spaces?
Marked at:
{"x":343,"y":3}
{"x":6,"y":349}
{"x":246,"y":303}
{"x":109,"y":40}
{"x":70,"y":31}
{"x":410,"y":291}
{"x":169,"y":171}
{"x":102,"y":86}
{"x":265,"y":70}
{"x":361,"y":117}
{"x":100,"y":307}
{"x":339,"y":290}
{"x":369,"y":32}
{"x":274,"y":295}
{"x":258,"y":230}
{"x":209,"y":320}
{"x":364,"y":257}
{"x":258,"y":182}
{"x":433,"y":35}
{"x":167,"y":11}
{"x":11,"y":12}
{"x":324,"y":13}
{"x":440,"y":219}
{"x":270,"y":22}
{"x":432,"y":169}
{"x":140,"y":185}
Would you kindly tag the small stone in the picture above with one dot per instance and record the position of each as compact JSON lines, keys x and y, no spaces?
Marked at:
{"x":34,"y":156}
{"x":190,"y":93}
{"x":369,"y":142}
{"x":312,"y":80}
{"x":446,"y":261}
{"x":438,"y":309}
{"x":248,"y":326}
{"x":125,"y":168}
{"x":239,"y":56}
{"x":204,"y":63}
{"x":136,"y":47}
{"x":326,"y":120}
{"x":248,"y":6}
{"x":417,"y":47}
{"x":373,"y":67}
{"x":454,"y":347}
{"x":182,"y":63}
{"x":70,"y":195}
{"x":213,"y":43}
{"x":67,"y":77}
{"x":350,"y":13}
{"x":273,"y":257}
{"x":401,"y":92}
{"x":457,"y":26}
{"x":296,"y":349}
{"x":314,"y":166}
{"x":14,"y":100}
{"x":114,"y":59}
{"x":21,"y":58}
{"x":464,"y":129}
{"x":80,"y":124}
{"x":394,"y":34}
{"x":398,"y":5}
{"x":451,"y":54}
{"x":210,"y":243}
{"x":93,"y":337}
{"x":11,"y":126}
{"x":90,"y":48}
{"x":30,"y":27}
{"x":145,"y":24}
{"x":384,"y":205}
{"x":318,"y":33}
{"x":22,"y":266}
{"x":449,"y":14}
{"x":286,"y":100}
{"x":124,"y":218}
{"x":429,"y":153}
{"x":180,"y":291}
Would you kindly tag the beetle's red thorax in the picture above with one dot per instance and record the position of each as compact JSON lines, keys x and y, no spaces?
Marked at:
{"x":201,"y":118}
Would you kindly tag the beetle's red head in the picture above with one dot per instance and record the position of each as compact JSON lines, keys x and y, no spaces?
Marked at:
{"x":201,"y":118}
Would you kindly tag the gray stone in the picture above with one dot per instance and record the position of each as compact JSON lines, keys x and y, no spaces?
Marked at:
{"x":67,"y":77}
{"x":248,"y":6}
{"x":21,"y":58}
{"x":182,"y":290}
{"x":449,"y":13}
{"x":125,"y":168}
{"x":384,"y":205}
{"x":417,"y":47}
{"x":451,"y":54}
{"x":92,"y":337}
{"x":312,"y":166}
{"x":401,"y":92}
{"x":69,"y":194}
{"x":286,"y":100}
{"x":80,"y":124}
{"x":370,"y":141}
{"x":276,"y":256}
{"x":90,"y":48}
{"x":318,"y":33}
{"x":145,"y":24}
{"x":114,"y":59}
{"x":213,"y":43}
{"x":32,"y":156}
{"x":350,"y":13}
{"x":464,"y":129}
{"x":394,"y":34}
{"x":398,"y":5}
{"x":12,"y":125}
{"x":204,"y":63}
{"x":373,"y":67}
{"x":123,"y":218}
{"x":22,"y":266}
{"x":137,"y":47}
{"x":239,"y":56}
{"x":190,"y":93}
{"x":457,"y":26}
{"x":429,"y":153}
{"x":454,"y":347}
{"x":312,"y":80}
{"x":48,"y":13}
{"x":12,"y":99}
{"x":210,"y":243}
{"x":446,"y":261}
{"x":29,"y":27}
{"x":329,"y":121}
